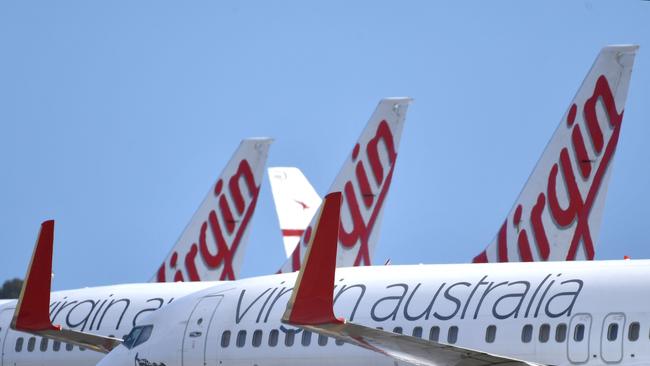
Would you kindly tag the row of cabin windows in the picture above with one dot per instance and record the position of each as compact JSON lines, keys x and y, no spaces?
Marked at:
{"x":305,"y":337}
{"x":544,"y":333}
{"x":561,"y":332}
{"x":31,"y":345}
{"x":43,"y":345}
{"x":543,"y":336}
{"x":434,"y":335}
{"x":273,"y":338}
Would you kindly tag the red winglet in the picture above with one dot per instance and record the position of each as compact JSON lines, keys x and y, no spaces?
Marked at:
{"x":312,"y":299}
{"x":33,"y":310}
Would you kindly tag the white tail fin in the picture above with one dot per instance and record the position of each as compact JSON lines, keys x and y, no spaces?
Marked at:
{"x":364,"y":181}
{"x":212,"y":245}
{"x":296,"y":202}
{"x":559,"y":211}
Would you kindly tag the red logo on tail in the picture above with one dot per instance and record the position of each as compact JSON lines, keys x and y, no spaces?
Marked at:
{"x":578,"y":208}
{"x":364,"y":194}
{"x":226,"y":227}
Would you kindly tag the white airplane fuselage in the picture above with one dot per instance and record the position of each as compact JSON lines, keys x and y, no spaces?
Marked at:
{"x":556,"y":313}
{"x":107,"y":310}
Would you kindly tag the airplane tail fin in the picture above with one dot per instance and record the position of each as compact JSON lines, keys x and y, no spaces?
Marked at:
{"x":558,"y":213}
{"x":212,"y":245}
{"x":364,"y":181}
{"x":296,"y":202}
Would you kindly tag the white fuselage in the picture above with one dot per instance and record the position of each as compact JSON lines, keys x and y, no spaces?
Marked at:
{"x":593,"y":313}
{"x":109,"y":311}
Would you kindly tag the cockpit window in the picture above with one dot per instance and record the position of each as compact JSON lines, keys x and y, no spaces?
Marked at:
{"x":137,"y":336}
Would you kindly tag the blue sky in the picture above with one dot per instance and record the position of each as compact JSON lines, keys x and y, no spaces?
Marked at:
{"x":115,"y":118}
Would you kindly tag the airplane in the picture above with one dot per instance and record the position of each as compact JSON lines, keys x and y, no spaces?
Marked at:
{"x":112,"y":311}
{"x":544,"y":313}
{"x":557,"y":215}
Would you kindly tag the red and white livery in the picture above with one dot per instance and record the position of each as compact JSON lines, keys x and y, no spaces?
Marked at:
{"x":557,"y":216}
{"x":211,"y":247}
{"x":364,"y":181}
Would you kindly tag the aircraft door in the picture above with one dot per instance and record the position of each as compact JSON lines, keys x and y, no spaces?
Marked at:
{"x":196,"y":330}
{"x":611,"y":338}
{"x":5,"y":320}
{"x":578,"y":344}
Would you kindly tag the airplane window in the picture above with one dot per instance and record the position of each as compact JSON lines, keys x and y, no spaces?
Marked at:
{"x":273,"y":338}
{"x":633,"y":332}
{"x":612,"y":332}
{"x":19,"y":344}
{"x":137,"y":336}
{"x":544,"y":333}
{"x":527,"y":333}
{"x":434,"y":334}
{"x":560,"y":333}
{"x":322,"y":340}
{"x":306,"y":338}
{"x":398,"y":330}
{"x":225,"y":338}
{"x":339,"y":342}
{"x":131,"y":337}
{"x":289,"y":337}
{"x":241,"y":338}
{"x":30,"y":344}
{"x":490,"y":333}
{"x":257,"y":338}
{"x":56,"y":346}
{"x":579,"y":333}
{"x":43,"y":346}
{"x":81,"y":349}
{"x":417,"y":332}
{"x":452,"y":334}
{"x":144,"y":335}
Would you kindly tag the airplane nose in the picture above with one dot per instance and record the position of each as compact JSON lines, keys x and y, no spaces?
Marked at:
{"x":120,"y":356}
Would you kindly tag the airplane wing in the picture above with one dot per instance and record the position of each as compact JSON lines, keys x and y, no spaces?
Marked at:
{"x":32,"y":314}
{"x":410,"y":349}
{"x":311,"y":308}
{"x":295,"y":201}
